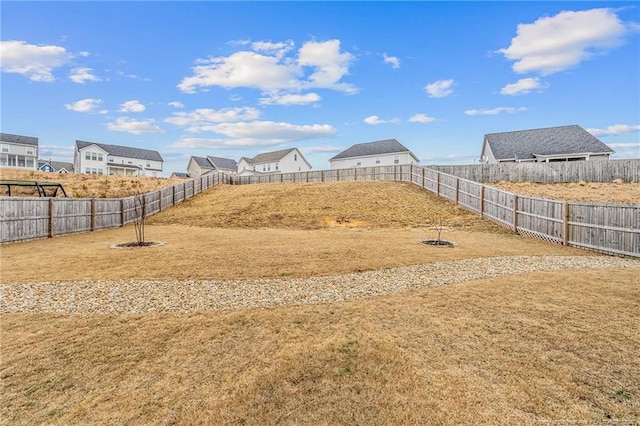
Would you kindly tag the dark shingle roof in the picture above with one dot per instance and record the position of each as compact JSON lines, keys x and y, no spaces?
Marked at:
{"x":24,"y":140}
{"x":57,"y":165}
{"x":525,"y":144}
{"x":124,"y":151}
{"x":387,"y":146}
{"x":202,"y":161}
{"x":223,"y":163}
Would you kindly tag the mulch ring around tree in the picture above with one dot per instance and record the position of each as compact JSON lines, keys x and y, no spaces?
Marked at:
{"x":135,"y":244}
{"x":438,"y":243}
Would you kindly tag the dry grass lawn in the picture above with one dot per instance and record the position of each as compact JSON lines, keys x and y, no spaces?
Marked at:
{"x":525,"y":349}
{"x":613,"y":192}
{"x":513,"y":350}
{"x":87,"y":186}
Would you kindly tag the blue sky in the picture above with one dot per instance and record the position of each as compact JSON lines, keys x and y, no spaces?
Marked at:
{"x":234,"y":79}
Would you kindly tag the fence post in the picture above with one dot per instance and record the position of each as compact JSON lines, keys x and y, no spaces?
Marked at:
{"x":411,"y":173}
{"x":93,"y":214}
{"x":438,"y":184}
{"x":122,"y":210}
{"x":457,"y":190}
{"x":51,"y":217}
{"x":423,"y":179}
{"x":482,"y":201}
{"x":337,"y":175}
{"x":322,"y":176}
{"x":565,"y":223}
{"x":515,"y":213}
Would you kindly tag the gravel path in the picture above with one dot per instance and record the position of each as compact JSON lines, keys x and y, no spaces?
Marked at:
{"x":139,"y":296}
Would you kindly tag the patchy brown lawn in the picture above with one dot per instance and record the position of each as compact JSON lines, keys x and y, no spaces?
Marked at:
{"x":581,"y":191}
{"x":554,"y":346}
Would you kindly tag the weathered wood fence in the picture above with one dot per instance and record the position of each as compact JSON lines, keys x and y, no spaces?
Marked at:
{"x":560,"y":172}
{"x":609,"y":228}
{"x":27,"y":218}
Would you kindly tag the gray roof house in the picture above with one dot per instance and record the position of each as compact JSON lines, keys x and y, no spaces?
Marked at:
{"x":198,"y":166}
{"x":18,"y":151}
{"x":563,"y":143}
{"x":53,"y":166}
{"x":283,"y":161}
{"x":100,"y":158}
{"x":377,"y":153}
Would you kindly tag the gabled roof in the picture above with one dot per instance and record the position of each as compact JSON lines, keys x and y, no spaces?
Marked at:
{"x":23,"y":140}
{"x":124,"y":151}
{"x":202,"y":161}
{"x":57,"y":165}
{"x":526,"y":144}
{"x":387,"y":146}
{"x":269,"y":157}
{"x":223,"y":163}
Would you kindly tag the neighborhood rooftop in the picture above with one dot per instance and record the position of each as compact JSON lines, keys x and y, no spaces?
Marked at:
{"x":268,"y":157}
{"x":526,"y":144}
{"x":24,"y":140}
{"x":387,"y":146}
{"x":124,"y":151}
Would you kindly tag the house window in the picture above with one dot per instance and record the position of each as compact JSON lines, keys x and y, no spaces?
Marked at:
{"x":148,"y":165}
{"x":396,"y":159}
{"x":359,"y":163}
{"x":5,"y":148}
{"x":29,"y":151}
{"x":277,"y":164}
{"x":295,"y":157}
{"x":100,"y":172}
{"x":377,"y":161}
{"x":29,"y":162}
{"x":99,"y":156}
{"x":87,"y":155}
{"x":268,"y":167}
{"x":94,"y":156}
{"x":88,"y":170}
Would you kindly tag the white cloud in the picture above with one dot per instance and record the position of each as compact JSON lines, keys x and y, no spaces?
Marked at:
{"x":440,"y":88}
{"x":523,"y":86}
{"x":270,"y":69}
{"x":616,"y":129}
{"x":556,"y":43}
{"x":176,"y":104}
{"x":35,"y":62}
{"x":494,"y":111}
{"x":137,"y":127}
{"x":82,"y":75}
{"x":391,"y":60}
{"x":84,"y":105}
{"x":131,"y":106}
{"x":421,"y":118}
{"x":290,"y":99}
{"x":197,"y":119}
{"x":373,"y":120}
{"x":630,"y":145}
{"x":255,"y":134}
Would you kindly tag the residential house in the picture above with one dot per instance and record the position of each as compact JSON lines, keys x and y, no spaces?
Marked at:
{"x":283,"y":161}
{"x":103,"y":159}
{"x":18,"y":151}
{"x":179,"y":175}
{"x":563,"y":143}
{"x":386,"y":152}
{"x":51,"y":166}
{"x":200,"y":165}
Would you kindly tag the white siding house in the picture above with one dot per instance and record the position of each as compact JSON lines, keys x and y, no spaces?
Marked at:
{"x":20,"y":152}
{"x":564,"y":143}
{"x":387,"y":152}
{"x":283,"y":161}
{"x":200,"y":165}
{"x":103,"y":159}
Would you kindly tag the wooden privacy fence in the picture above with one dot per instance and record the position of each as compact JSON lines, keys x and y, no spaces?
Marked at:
{"x":556,"y":172}
{"x":609,"y":228}
{"x":28,"y":218}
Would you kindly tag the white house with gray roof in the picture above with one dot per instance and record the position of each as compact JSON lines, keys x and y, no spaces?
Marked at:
{"x":20,"y":152}
{"x":283,"y":161}
{"x":563,"y":143}
{"x":386,"y":152}
{"x":102,"y":159}
{"x":200,"y":165}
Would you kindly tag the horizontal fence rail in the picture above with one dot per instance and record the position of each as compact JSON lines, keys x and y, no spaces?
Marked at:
{"x":608,"y":228}
{"x":556,"y":172}
{"x":27,"y":218}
